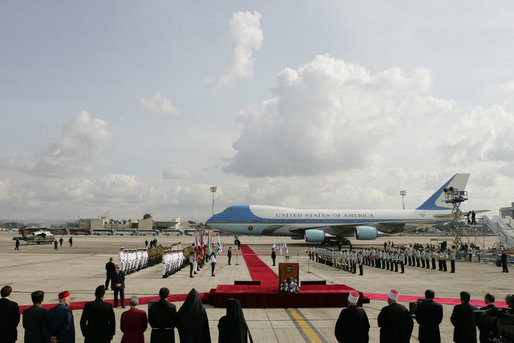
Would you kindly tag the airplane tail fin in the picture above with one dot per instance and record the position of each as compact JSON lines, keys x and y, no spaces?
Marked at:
{"x":437,"y":200}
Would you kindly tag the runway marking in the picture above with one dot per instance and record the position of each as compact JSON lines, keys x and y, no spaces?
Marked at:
{"x":308,"y":332}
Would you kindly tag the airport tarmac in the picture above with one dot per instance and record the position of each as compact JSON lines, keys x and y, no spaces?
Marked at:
{"x":81,"y":268}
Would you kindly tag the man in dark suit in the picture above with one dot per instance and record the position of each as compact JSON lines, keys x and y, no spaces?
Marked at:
{"x":9,"y":316}
{"x":110,"y":269}
{"x":395,"y":321}
{"x":463,"y":320}
{"x":229,"y":254}
{"x":503,"y":260}
{"x":97,"y":322}
{"x":486,"y":321}
{"x":162,"y":316}
{"x":429,"y":315}
{"x":273,"y":255}
{"x":59,"y":325}
{"x":118,"y":278}
{"x":352,"y":325}
{"x":34,"y":319}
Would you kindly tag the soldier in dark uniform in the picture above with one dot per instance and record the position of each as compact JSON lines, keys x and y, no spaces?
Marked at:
{"x":110,"y":269}
{"x":97,"y":322}
{"x":395,"y":321}
{"x":503,"y":260}
{"x":352,"y":325}
{"x":17,"y":244}
{"x":59,"y":321}
{"x":9,"y":316}
{"x":429,"y":315}
{"x":463,"y":320}
{"x":229,"y":254}
{"x":34,"y":319}
{"x":273,"y":255}
{"x":162,"y":316}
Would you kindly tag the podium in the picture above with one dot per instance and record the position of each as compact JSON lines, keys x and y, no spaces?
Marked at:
{"x":287,"y":270}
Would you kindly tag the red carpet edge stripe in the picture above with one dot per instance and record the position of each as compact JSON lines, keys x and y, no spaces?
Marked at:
{"x":444,"y":301}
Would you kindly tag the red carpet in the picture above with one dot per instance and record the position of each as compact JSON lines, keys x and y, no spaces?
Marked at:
{"x":266,"y":295}
{"x":259,"y":271}
{"x":79,"y":305}
{"x":444,"y":301}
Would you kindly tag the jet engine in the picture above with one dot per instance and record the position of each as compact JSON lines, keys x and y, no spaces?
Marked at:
{"x":366,"y":233}
{"x":314,"y":235}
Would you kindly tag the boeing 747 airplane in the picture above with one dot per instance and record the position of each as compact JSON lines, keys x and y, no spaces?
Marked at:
{"x":328,"y":225}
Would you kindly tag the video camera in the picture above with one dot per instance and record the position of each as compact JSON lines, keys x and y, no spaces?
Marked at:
{"x":413,"y":306}
{"x":505,"y":325}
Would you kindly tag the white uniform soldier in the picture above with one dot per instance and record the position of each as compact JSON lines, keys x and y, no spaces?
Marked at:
{"x":145,"y":258}
{"x":164,"y":257}
{"x":121,"y":257}
{"x":139,"y":259}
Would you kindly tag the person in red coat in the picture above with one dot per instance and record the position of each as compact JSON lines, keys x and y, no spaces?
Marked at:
{"x":133,"y":323}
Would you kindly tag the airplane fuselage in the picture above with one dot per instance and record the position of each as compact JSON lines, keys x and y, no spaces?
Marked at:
{"x":271,"y":220}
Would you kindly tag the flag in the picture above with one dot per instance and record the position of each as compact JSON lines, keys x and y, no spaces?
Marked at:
{"x":285,"y":246}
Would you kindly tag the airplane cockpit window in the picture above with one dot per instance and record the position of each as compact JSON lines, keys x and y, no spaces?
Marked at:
{"x":227,"y":209}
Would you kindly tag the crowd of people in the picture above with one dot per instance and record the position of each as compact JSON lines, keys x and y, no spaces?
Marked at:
{"x":98,"y":322}
{"x":396,"y":322}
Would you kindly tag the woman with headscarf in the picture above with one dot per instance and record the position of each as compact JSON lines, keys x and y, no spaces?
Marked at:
{"x":192,"y":323}
{"x":232,"y":327}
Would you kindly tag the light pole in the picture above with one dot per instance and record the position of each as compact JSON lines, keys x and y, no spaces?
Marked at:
{"x":213,"y":190}
{"x":403,"y":193}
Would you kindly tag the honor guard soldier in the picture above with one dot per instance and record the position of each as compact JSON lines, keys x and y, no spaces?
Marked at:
{"x":121,"y":258}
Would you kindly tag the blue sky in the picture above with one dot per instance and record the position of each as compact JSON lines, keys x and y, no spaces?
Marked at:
{"x":133,"y":107}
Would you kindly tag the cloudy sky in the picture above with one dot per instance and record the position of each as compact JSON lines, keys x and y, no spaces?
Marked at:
{"x":132,"y":107}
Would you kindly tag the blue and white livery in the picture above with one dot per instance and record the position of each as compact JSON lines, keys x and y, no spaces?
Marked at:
{"x":325,"y":224}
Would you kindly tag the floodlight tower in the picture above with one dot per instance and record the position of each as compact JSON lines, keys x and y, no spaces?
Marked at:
{"x":213,"y":190}
{"x":403,"y":193}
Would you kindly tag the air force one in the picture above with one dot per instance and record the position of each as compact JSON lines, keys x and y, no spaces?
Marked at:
{"x":327,"y":225}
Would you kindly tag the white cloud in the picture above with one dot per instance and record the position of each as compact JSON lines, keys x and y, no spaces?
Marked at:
{"x":76,"y":151}
{"x":177,"y":172}
{"x":117,"y":186}
{"x":4,"y":189}
{"x":247,"y":36}
{"x":159,"y":104}
{"x":507,"y":87}
{"x":484,"y":135}
{"x":330,"y":115}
